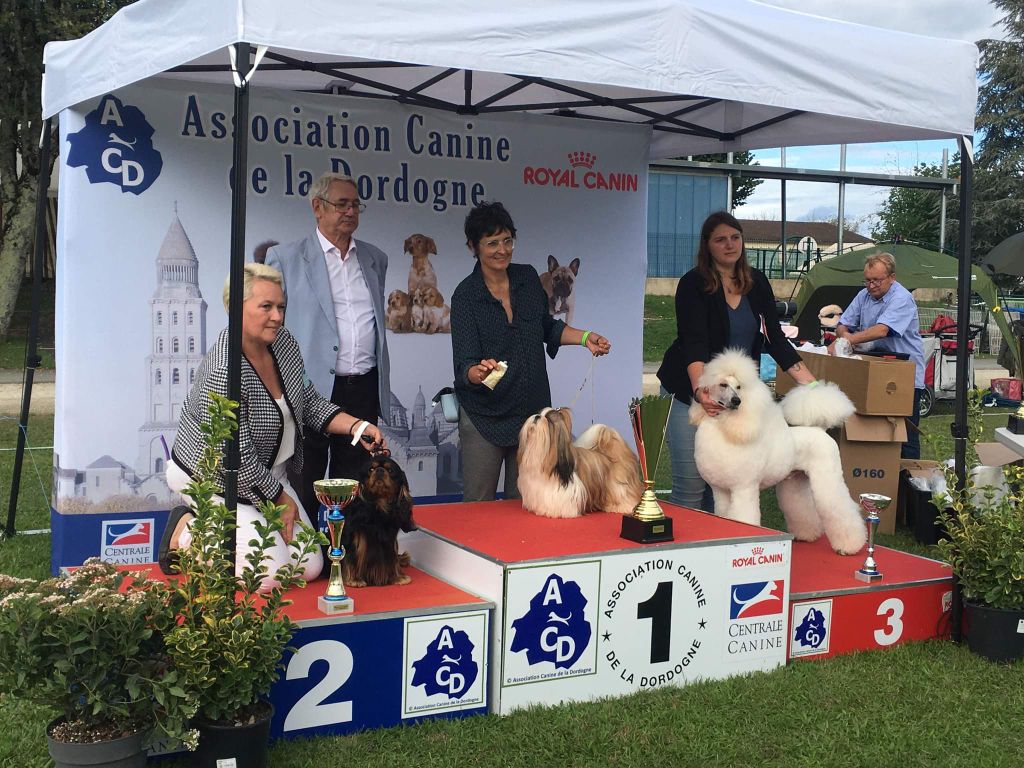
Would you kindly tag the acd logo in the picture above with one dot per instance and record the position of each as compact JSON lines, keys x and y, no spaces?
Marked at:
{"x":554,"y":628}
{"x":447,"y":667}
{"x":116,"y":147}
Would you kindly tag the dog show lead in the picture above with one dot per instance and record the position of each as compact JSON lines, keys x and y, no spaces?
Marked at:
{"x":721,"y":303}
{"x":500,"y":312}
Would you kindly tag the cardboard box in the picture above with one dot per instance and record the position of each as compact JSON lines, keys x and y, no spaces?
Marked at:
{"x":869,"y":447}
{"x":877,"y":386}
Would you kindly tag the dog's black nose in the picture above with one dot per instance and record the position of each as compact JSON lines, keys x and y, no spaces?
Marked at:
{"x":735,"y":402}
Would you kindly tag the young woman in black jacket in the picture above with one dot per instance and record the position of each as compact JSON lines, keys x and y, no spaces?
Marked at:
{"x":721,"y":303}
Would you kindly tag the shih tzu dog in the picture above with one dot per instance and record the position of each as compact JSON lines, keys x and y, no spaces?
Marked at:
{"x":373,"y":519}
{"x":562,"y":478}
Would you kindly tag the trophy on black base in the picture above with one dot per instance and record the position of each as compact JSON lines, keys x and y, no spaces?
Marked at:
{"x":649,"y":417}
{"x":1015,"y":423}
{"x":873,"y":503}
{"x":335,"y":493}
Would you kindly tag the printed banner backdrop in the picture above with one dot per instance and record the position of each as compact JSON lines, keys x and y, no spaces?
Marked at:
{"x":143,"y":239}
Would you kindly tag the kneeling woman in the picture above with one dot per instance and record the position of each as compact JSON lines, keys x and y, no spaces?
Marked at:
{"x":277,"y":403}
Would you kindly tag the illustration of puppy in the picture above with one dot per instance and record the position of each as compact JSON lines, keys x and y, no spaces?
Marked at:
{"x":398,"y":315}
{"x":421,"y":273}
{"x":382,"y":507}
{"x":557,"y":283}
{"x":429,"y":312}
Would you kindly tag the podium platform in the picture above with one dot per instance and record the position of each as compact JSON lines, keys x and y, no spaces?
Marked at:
{"x":404,"y":654}
{"x":581,"y":613}
{"x":833,"y":613}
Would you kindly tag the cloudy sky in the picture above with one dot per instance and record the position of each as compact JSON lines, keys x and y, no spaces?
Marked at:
{"x":958,"y":19}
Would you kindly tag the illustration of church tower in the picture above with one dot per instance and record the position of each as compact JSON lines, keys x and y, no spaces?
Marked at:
{"x":177,"y":318}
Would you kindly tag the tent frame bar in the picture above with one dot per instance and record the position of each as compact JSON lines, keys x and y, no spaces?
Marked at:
{"x":806,"y":174}
{"x":660,"y":122}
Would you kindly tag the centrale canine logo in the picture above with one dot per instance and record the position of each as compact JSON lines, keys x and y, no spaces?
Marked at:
{"x":116,"y":147}
{"x":758,"y":598}
{"x":127,"y":541}
{"x":580,"y":173}
{"x":811,"y":632}
{"x":554,"y":628}
{"x":447,"y":667}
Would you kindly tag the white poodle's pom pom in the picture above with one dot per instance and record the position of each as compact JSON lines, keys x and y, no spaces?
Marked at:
{"x":820,"y":405}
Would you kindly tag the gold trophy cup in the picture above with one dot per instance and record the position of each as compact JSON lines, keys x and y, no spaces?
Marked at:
{"x":649,"y":418}
{"x":335,"y":493}
{"x":872,"y":503}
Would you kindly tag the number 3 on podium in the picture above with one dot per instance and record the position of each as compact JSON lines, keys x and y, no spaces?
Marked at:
{"x":893,"y":630}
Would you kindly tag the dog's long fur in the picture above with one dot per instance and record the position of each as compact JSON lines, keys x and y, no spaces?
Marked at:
{"x":560,"y":478}
{"x":754,"y":443}
{"x":373,"y":519}
{"x":398,"y":315}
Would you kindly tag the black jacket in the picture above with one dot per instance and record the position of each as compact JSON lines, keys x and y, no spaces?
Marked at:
{"x":702,"y":330}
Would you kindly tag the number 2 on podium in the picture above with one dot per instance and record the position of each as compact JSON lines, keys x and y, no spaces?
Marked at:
{"x":310,"y":711}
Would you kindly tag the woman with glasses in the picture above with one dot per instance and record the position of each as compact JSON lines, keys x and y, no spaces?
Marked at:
{"x":721,"y":303}
{"x":499,"y":313}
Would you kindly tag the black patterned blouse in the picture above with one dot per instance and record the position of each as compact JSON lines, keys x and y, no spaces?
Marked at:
{"x":481,"y":330}
{"x":259,"y":418}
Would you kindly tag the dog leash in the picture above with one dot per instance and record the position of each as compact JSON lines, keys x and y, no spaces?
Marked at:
{"x":589,"y":375}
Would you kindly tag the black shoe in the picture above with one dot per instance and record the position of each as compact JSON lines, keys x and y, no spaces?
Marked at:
{"x":166,"y":557}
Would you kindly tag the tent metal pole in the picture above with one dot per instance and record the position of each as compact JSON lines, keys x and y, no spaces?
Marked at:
{"x":959,"y":427}
{"x":239,"y":185}
{"x":31,"y":352}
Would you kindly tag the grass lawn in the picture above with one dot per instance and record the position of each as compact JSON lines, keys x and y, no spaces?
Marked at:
{"x":924,"y":704}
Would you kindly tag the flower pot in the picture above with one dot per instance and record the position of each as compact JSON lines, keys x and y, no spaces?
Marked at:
{"x":995,"y":633}
{"x":246,"y":744}
{"x":124,"y":752}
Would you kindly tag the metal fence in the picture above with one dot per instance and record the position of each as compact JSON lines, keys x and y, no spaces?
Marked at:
{"x":672,"y":255}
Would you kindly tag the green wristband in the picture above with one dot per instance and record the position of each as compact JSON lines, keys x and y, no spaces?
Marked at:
{"x":583,"y":341}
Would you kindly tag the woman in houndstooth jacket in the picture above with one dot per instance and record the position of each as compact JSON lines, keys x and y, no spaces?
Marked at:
{"x":277,"y":403}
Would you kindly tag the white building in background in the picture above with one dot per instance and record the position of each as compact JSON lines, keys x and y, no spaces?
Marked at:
{"x":177,"y":319}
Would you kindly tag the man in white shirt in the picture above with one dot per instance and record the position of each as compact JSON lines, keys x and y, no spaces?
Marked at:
{"x":334,"y":285}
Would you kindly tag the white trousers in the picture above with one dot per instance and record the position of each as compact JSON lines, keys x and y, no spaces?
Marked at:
{"x":274,"y":558}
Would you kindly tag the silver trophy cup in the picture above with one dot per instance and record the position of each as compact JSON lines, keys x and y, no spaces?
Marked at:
{"x":872,"y":503}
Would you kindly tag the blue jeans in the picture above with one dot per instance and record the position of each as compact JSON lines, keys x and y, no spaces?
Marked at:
{"x":912,"y":448}
{"x":688,"y":487}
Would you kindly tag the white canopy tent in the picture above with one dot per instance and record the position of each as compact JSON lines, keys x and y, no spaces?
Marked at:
{"x":705,"y":75}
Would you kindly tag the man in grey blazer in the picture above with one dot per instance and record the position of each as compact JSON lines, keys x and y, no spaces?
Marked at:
{"x":334,"y":286}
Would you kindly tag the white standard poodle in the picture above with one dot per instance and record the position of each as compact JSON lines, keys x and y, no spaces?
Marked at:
{"x":755,"y":443}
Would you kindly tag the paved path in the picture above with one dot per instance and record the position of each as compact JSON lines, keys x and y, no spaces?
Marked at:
{"x":12,"y":389}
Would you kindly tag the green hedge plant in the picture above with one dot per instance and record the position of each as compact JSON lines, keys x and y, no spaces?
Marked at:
{"x":230,"y":637}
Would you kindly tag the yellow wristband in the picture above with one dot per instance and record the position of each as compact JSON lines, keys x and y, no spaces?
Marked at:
{"x":583,"y":341}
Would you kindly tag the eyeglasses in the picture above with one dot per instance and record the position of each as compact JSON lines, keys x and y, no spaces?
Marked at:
{"x":509,"y":243}
{"x":345,"y":205}
{"x":876,"y":280}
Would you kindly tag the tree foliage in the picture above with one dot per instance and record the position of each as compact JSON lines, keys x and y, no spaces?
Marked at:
{"x":915,"y":214}
{"x":25,"y":27}
{"x":999,"y":164}
{"x":741,"y":188}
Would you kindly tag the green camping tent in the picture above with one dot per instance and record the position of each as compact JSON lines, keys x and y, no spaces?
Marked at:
{"x":837,"y":280}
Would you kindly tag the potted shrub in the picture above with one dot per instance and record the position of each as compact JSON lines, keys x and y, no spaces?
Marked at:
{"x":985,"y":547}
{"x":90,"y":646}
{"x":229,"y":637}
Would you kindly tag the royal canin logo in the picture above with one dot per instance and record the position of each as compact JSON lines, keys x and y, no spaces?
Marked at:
{"x":758,"y":557}
{"x":580,"y":174}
